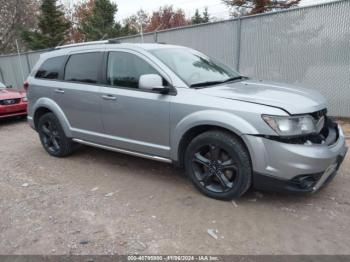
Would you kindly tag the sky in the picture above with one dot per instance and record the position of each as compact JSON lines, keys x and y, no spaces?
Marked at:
{"x":215,"y":7}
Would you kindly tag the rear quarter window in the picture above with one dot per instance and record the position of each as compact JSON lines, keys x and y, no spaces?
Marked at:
{"x":51,"y":68}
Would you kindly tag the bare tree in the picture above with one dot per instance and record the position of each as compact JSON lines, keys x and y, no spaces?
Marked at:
{"x":15,"y":16}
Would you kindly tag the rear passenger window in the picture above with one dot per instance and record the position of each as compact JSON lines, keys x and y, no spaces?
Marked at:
{"x":50,"y":69}
{"x":83,"y":68}
{"x":125,"y":69}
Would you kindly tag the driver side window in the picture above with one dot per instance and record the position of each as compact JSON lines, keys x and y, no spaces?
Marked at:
{"x":124,"y":69}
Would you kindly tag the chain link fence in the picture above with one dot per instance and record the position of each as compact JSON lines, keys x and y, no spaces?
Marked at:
{"x":307,"y":46}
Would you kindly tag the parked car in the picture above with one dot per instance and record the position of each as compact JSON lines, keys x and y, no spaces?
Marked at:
{"x":177,"y":105}
{"x":12,"y":102}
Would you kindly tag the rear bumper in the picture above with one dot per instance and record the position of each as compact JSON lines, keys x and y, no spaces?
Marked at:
{"x":19,"y":109}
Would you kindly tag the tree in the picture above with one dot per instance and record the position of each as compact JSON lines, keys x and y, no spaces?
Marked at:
{"x":13,"y":19}
{"x":199,"y":19}
{"x":166,"y":17}
{"x":251,"y":7}
{"x":76,"y":16}
{"x":136,"y":21}
{"x":53,"y":27}
{"x":206,"y":16}
{"x":100,"y":23}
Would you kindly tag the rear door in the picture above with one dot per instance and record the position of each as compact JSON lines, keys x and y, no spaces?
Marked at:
{"x":79,"y":93}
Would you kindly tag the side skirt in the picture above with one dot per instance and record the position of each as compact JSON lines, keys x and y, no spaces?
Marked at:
{"x":123,"y":151}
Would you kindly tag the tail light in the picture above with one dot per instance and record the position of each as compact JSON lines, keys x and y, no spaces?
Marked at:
{"x":26,"y":85}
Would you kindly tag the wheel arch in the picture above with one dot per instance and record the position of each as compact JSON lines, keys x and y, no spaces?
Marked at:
{"x":188,"y":129}
{"x":46,"y":105}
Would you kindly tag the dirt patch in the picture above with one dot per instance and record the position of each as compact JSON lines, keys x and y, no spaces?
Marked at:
{"x":100,"y":202}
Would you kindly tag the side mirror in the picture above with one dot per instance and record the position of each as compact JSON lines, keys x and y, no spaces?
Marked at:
{"x":153,"y":82}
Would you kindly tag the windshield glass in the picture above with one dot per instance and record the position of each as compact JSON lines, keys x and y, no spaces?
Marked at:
{"x":195,"y":68}
{"x":2,"y":85}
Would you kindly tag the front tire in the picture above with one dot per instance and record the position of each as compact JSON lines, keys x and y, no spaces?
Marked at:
{"x":52,"y":136}
{"x":219,"y":165}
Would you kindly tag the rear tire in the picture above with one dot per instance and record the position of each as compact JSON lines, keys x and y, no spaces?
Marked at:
{"x":219,"y":165}
{"x":52,"y":136}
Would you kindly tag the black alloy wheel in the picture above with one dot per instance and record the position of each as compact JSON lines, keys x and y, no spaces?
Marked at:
{"x":219,"y":164}
{"x":52,"y":136}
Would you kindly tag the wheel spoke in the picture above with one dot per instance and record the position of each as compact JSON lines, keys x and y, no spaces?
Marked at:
{"x":49,"y":126}
{"x":224,"y":182}
{"x":205,"y":178}
{"x":55,"y":143}
{"x":214,"y":152}
{"x":46,"y":130}
{"x":228,"y":164}
{"x":201,"y":159}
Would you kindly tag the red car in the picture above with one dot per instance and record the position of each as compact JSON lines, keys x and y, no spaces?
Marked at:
{"x":12,"y":102}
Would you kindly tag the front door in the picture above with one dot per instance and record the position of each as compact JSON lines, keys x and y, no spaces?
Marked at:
{"x":134,"y":119}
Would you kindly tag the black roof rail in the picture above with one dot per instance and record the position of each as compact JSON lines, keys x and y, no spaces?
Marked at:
{"x":114,"y":41}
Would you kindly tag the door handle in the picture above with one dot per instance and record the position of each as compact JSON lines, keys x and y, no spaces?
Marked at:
{"x":109,"y":97}
{"x":60,"y":91}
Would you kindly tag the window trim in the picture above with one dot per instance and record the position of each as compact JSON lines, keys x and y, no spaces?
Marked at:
{"x":99,"y":72}
{"x":172,"y":91}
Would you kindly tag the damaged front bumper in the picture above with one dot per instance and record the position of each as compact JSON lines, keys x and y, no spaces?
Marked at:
{"x":294,"y":166}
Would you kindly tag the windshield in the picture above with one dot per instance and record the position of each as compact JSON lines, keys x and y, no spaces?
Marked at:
{"x":2,"y":85}
{"x":195,"y":68}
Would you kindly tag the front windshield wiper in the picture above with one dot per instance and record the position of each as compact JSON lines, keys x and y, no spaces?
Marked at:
{"x":234,"y":78}
{"x":209,"y":83}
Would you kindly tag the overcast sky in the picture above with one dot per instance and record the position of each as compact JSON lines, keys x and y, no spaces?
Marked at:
{"x":216,"y":8}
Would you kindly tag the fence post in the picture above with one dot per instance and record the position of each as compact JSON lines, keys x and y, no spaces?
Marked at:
{"x":28,"y":64}
{"x":238,"y":44}
{"x":155,"y":36}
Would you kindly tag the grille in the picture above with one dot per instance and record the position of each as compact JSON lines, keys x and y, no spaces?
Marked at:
{"x":7,"y":102}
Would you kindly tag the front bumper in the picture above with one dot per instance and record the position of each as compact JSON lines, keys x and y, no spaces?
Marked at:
{"x":294,"y":167}
{"x":19,"y":109}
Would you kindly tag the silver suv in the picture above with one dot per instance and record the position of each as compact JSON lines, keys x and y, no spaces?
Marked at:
{"x":177,"y":105}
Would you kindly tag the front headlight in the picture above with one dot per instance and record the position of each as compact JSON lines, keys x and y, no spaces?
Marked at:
{"x":291,"y":125}
{"x":24,"y":99}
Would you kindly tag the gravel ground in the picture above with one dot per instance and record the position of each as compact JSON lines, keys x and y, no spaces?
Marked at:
{"x":100,"y":202}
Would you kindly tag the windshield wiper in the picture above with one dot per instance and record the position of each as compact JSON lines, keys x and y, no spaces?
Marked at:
{"x":208,"y":83}
{"x":234,"y":78}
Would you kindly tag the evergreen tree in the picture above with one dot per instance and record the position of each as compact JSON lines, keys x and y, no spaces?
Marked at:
{"x":100,"y":24}
{"x":206,"y":16}
{"x":197,"y":18}
{"x":53,"y":27}
{"x":200,"y":19}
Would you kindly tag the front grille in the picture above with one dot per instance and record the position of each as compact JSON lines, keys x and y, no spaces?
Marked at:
{"x":7,"y":102}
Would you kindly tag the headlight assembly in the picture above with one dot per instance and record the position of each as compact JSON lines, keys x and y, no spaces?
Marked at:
{"x":293,"y":125}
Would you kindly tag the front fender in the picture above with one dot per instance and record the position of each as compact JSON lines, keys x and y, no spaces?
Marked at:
{"x":54,"y":108}
{"x":226,"y":120}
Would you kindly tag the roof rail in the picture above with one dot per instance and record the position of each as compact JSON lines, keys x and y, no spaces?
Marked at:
{"x":82,"y":44}
{"x":114,"y":41}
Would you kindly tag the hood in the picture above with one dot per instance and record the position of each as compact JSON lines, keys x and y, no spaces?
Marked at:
{"x":294,"y":100}
{"x":6,"y":93}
